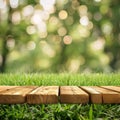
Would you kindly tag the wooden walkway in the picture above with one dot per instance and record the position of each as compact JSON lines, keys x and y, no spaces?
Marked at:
{"x":59,"y":94}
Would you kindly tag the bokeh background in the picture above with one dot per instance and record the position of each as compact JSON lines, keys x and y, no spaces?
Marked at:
{"x":52,"y":36}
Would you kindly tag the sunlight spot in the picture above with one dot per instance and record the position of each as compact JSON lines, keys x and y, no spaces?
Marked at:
{"x":54,"y":20}
{"x":61,"y":3}
{"x":14,"y":3}
{"x":98,"y":44}
{"x":39,"y":19}
{"x":10,"y":43}
{"x":97,"y":0}
{"x":36,"y":18}
{"x":97,"y":16}
{"x":67,"y":40}
{"x":31,"y":29}
{"x":28,"y":10}
{"x":63,"y":14}
{"x":2,"y":4}
{"x":90,"y":25}
{"x":75,"y":4}
{"x":16,"y":17}
{"x":4,"y":13}
{"x":42,"y":27}
{"x":69,"y":20}
{"x":31,"y":45}
{"x":56,"y":39}
{"x":53,"y":24}
{"x":82,"y":10}
{"x":48,"y":5}
{"x":84,"y":20}
{"x":107,"y":28}
{"x":83,"y":32}
{"x":44,"y":15}
{"x":104,"y":9}
{"x":62,"y":31}
{"x":42,"y":34}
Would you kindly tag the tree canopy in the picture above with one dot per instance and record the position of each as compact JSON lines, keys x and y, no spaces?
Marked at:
{"x":59,"y":36}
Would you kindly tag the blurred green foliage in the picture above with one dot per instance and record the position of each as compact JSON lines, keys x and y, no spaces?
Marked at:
{"x":59,"y":36}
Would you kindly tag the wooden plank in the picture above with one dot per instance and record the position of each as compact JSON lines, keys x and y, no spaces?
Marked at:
{"x":108,"y":96}
{"x":15,"y":94}
{"x":2,"y":88}
{"x":73,"y":94}
{"x":113,"y":88}
{"x":50,"y":94}
{"x":95,"y":96}
{"x":44,"y":95}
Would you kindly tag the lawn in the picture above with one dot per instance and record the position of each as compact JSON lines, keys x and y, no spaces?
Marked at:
{"x":60,"y":111}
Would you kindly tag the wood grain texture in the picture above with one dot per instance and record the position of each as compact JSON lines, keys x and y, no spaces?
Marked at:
{"x":43,"y":95}
{"x":95,"y":96}
{"x":108,"y":96}
{"x":62,"y":94}
{"x":113,"y":88}
{"x":73,"y":94}
{"x":2,"y":88}
{"x":15,"y":94}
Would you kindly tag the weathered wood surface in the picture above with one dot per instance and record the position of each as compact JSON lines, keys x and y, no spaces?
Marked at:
{"x":113,"y":88}
{"x":73,"y":94}
{"x":2,"y":88}
{"x":94,"y":95}
{"x":59,"y":94}
{"x":108,"y":96}
{"x":12,"y":95}
{"x":43,"y":95}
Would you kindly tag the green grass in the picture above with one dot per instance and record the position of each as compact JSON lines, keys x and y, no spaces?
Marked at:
{"x":60,"y":79}
{"x":60,"y":111}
